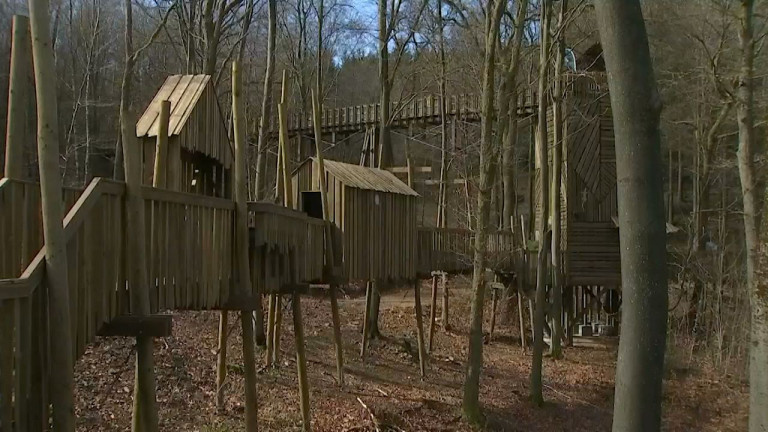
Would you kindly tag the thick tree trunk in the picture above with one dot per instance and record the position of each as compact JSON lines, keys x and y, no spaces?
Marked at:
{"x":757,"y":251}
{"x":535,"y":390}
{"x":61,"y":382}
{"x":636,"y":106}
{"x":471,"y":403}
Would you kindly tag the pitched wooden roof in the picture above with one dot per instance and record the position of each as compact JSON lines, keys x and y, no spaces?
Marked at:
{"x":195,"y":116}
{"x":183,"y":91}
{"x":362,"y":177}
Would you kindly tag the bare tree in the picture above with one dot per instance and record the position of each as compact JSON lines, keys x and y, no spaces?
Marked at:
{"x":471,"y":403}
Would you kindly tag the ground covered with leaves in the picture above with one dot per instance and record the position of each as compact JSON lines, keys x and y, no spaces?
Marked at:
{"x":385,"y":392}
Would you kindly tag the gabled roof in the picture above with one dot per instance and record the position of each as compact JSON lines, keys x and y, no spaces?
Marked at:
{"x":183,"y":91}
{"x":362,"y":177}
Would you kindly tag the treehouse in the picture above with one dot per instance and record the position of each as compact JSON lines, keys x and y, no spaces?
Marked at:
{"x":374,"y":211}
{"x":199,"y":152}
{"x":588,"y":203}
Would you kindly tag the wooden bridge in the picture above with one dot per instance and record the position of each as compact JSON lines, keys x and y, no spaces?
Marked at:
{"x":425,"y":110}
{"x":190,"y":247}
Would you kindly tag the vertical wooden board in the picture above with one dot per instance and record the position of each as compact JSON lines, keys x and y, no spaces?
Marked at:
{"x":23,"y":348}
{"x":7,"y":312}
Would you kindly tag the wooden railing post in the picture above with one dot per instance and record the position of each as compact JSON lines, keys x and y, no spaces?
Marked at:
{"x":17,"y":130}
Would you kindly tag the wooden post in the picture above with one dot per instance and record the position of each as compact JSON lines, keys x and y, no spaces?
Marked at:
{"x":17,"y":129}
{"x":366,"y":314}
{"x":221,"y":361}
{"x":494,"y":303}
{"x":241,"y":243}
{"x":420,"y":329}
{"x":522,"y":320}
{"x":160,"y":178}
{"x":432,"y":313}
{"x":270,"y":329}
{"x":301,"y":362}
{"x":444,"y":316}
{"x":331,"y":253}
{"x":276,"y":330}
{"x":61,"y":382}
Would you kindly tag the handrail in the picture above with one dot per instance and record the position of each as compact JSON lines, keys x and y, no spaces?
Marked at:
{"x":150,"y":193}
{"x":268,"y":207}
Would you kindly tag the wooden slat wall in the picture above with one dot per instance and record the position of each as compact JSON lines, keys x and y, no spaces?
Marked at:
{"x":452,"y":250}
{"x":21,"y":225}
{"x":278,"y":234}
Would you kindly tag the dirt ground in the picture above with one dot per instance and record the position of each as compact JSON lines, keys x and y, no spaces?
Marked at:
{"x":385,"y":390}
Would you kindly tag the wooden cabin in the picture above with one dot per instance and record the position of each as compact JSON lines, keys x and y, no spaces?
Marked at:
{"x":199,"y":152}
{"x":374,"y":211}
{"x":590,"y":237}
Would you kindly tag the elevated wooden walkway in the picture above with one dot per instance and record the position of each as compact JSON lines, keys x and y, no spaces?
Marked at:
{"x":190,"y":258}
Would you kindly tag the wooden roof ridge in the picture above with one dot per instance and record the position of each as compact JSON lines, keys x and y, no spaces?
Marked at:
{"x":184,"y":92}
{"x":366,"y":178}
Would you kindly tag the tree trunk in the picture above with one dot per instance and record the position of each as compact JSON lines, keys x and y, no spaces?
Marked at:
{"x":757,"y":252}
{"x":636,"y":106}
{"x":471,"y":403}
{"x":266,"y":114}
{"x":555,"y":349}
{"x":536,"y":394}
{"x":243,"y":274}
{"x":61,"y":382}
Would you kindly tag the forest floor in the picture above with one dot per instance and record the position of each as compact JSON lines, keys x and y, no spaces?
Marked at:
{"x":386,"y":389}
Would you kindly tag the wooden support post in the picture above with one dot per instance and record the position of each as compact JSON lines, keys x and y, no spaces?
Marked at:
{"x":241,"y":244}
{"x":270,"y":330}
{"x":520,"y":312}
{"x":331,"y":252}
{"x":17,"y":129}
{"x":420,"y":329}
{"x":494,"y":304}
{"x":276,"y":330}
{"x":301,"y":362}
{"x":364,"y":345}
{"x":432,"y":313}
{"x":444,"y":316}
{"x":221,"y":361}
{"x":160,"y":178}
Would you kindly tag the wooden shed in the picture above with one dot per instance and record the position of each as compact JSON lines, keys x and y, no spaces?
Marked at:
{"x":199,"y":153}
{"x":374,"y":211}
{"x":590,"y":238}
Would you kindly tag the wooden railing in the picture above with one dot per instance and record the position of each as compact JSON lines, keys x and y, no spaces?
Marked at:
{"x":21,"y":226}
{"x":287,"y":247}
{"x":97,"y":294}
{"x":452,"y":250}
{"x":427,"y":109}
{"x":191,"y":249}
{"x":189,"y":252}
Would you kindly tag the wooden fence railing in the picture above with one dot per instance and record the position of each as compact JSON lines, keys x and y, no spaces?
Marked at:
{"x":190,"y":242}
{"x":287,"y":247}
{"x":21,"y":226}
{"x":452,"y":250}
{"x":190,"y":239}
{"x":427,"y":108}
{"x":97,"y":288}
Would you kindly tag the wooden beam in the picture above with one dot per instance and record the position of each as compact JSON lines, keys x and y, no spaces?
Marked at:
{"x":404,"y":169}
{"x":432,"y":182}
{"x":138,"y":325}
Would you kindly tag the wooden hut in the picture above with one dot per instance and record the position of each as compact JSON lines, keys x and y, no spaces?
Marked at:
{"x":199,"y":151}
{"x":374,"y":211}
{"x":590,"y":238}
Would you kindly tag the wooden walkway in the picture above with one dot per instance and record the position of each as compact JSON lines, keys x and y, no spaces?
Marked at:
{"x":426,"y":110}
{"x":190,"y":258}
